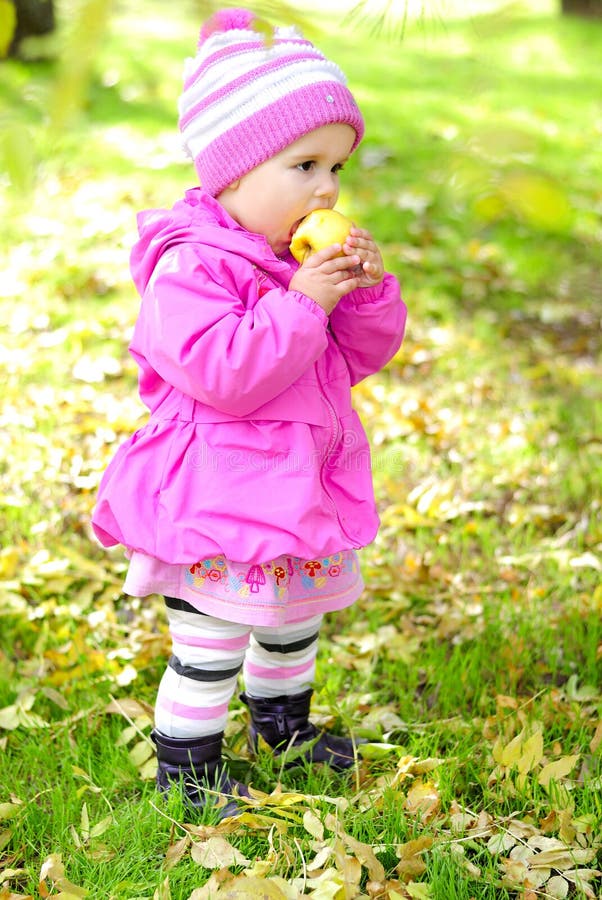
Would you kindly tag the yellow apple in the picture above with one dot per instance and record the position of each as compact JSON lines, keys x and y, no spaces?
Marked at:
{"x":319,"y":229}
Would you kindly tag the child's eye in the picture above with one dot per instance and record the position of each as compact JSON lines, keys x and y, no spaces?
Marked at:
{"x":306,"y":166}
{"x":338,"y":167}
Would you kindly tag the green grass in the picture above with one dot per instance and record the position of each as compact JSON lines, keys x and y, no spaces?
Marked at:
{"x":481,"y":620}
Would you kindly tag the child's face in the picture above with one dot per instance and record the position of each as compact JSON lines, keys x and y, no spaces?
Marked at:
{"x":277,"y":194}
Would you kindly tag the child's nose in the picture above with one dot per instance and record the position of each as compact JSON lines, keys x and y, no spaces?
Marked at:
{"x":328,"y":186}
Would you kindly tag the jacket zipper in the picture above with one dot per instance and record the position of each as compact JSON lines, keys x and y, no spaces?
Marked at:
{"x":262,"y":282}
{"x":331,"y":445}
{"x":262,"y":287}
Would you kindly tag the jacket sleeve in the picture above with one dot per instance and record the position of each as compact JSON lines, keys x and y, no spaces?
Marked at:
{"x":368,"y":325}
{"x":201,"y":337}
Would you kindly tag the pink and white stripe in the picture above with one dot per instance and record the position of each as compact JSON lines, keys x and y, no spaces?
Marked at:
{"x":208,"y":654}
{"x":186,"y":708}
{"x":268,"y":674}
{"x":198,"y":640}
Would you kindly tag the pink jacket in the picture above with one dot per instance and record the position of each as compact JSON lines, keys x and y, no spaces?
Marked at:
{"x":252,"y":448}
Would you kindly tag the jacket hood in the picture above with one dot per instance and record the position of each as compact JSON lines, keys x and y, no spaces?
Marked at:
{"x":200,"y":219}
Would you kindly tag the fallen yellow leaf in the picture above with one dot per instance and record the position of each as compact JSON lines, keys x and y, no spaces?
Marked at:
{"x":411,"y":861}
{"x":531,"y":753}
{"x":217,"y":853}
{"x":312,"y":824}
{"x":365,"y":854}
{"x":556,"y":770}
{"x":596,"y":741}
{"x":8,"y":810}
{"x":423,"y":800}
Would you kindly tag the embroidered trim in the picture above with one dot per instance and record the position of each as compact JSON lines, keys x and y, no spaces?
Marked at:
{"x":273,"y":578}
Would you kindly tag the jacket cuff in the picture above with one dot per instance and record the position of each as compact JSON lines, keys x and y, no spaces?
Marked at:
{"x":368,"y":294}
{"x":311,"y":306}
{"x":375,"y":293}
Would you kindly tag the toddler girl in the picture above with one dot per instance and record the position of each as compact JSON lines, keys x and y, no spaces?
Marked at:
{"x":244,"y":498}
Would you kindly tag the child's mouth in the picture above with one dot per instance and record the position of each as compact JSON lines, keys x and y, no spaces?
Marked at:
{"x":294,"y":228}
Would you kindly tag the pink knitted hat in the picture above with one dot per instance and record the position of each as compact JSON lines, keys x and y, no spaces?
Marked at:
{"x":246,"y":99}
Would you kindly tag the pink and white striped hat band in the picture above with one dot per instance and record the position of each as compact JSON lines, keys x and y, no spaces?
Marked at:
{"x":246,"y":99}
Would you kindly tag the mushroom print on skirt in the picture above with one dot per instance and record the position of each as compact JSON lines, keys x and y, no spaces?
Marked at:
{"x":255,"y":577}
{"x":325,"y":581}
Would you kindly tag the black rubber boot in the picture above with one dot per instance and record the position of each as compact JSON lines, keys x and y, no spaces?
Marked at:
{"x":196,"y":765}
{"x":283,"y":721}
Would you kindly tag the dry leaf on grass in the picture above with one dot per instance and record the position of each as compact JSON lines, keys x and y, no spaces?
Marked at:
{"x":217,"y":853}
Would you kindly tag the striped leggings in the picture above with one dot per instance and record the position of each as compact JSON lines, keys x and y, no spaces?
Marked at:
{"x":207,"y":657}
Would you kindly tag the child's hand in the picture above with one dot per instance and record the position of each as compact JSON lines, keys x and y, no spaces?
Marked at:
{"x":361,"y":243}
{"x":326,"y":276}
